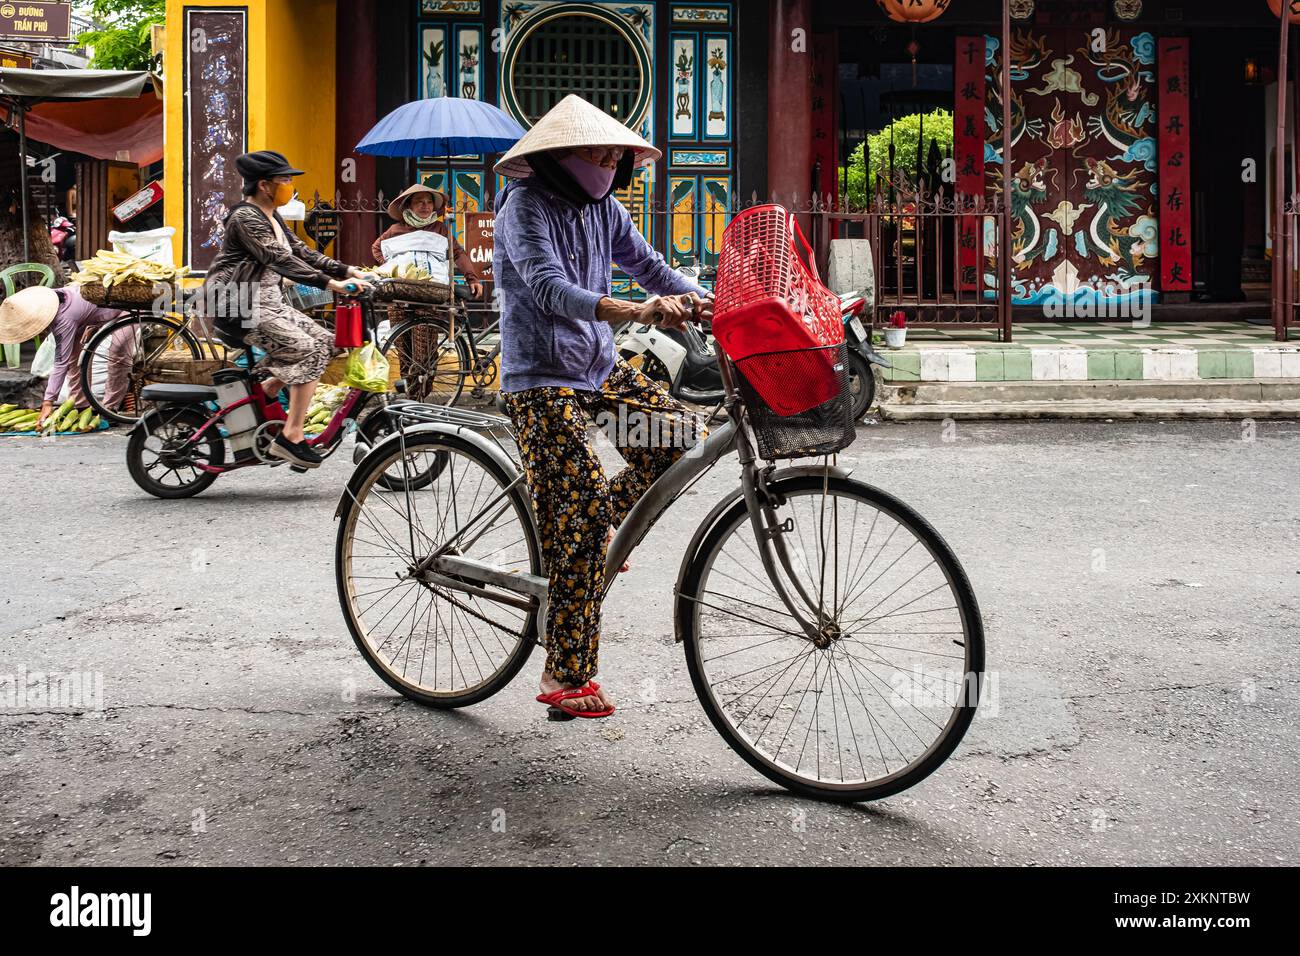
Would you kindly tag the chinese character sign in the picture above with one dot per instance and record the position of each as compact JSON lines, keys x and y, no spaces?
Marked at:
{"x":968,"y":147}
{"x":1175,"y":214}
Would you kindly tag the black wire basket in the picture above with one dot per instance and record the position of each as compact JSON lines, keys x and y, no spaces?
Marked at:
{"x":812,"y":411}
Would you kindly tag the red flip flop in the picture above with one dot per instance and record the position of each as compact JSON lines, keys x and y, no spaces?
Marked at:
{"x":557,"y":711}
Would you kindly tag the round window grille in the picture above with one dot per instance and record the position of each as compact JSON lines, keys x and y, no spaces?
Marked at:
{"x":580,"y":53}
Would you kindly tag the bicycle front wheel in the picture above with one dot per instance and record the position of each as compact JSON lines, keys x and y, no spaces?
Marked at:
{"x":127,"y":354}
{"x":887,"y":688}
{"x":433,"y":364}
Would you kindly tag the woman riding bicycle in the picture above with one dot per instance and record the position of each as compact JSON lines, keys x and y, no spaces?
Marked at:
{"x":242,"y":292}
{"x":558,"y":228}
{"x":419,"y":208}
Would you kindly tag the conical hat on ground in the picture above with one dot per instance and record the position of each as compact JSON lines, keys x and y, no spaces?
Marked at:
{"x":572,"y":122}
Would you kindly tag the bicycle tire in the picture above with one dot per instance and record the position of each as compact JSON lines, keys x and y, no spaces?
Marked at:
{"x":370,"y":472}
{"x":138,"y":378}
{"x":688,"y":602}
{"x":451,"y":384}
{"x":135,"y":449}
{"x":860,"y":371}
{"x":377,"y":426}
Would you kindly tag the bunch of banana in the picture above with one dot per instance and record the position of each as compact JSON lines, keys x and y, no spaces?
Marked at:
{"x":67,"y":418}
{"x":393,"y":270}
{"x":15,"y":419}
{"x":324,"y":403}
{"x":118,"y":268}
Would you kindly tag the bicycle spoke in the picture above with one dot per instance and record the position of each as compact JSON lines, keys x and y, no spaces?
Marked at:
{"x":857,"y":702}
{"x":442,"y":641}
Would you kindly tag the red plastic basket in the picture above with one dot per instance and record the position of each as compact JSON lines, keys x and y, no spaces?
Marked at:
{"x":767,"y":300}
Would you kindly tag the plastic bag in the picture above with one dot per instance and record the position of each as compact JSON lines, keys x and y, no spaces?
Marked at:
{"x":43,"y":363}
{"x":367,"y":369}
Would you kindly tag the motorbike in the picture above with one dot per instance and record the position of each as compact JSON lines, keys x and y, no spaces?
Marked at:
{"x":63,"y":235}
{"x":684,"y":362}
{"x":196,"y":433}
{"x":861,"y":354}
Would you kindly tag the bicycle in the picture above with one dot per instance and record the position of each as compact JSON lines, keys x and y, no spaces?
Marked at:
{"x":804,"y":597}
{"x":145,"y":348}
{"x":440,"y":355}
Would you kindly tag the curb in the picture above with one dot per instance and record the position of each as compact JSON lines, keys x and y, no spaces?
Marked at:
{"x":943,"y":363}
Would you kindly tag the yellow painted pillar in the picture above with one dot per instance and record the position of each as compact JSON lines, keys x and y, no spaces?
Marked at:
{"x":288,"y":90}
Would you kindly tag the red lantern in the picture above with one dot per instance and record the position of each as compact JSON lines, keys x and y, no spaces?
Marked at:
{"x":1293,"y":6}
{"x":914,"y":11}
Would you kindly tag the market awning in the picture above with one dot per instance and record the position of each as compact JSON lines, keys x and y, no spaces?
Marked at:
{"x":124,"y":129}
{"x":71,"y":84}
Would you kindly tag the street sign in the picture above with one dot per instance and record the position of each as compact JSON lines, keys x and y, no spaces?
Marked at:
{"x":322,"y":224}
{"x":36,"y":21}
{"x":478,"y":240}
{"x":137,"y":203}
{"x":13,"y":60}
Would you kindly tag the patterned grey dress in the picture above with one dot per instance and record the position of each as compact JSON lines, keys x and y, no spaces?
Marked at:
{"x":297,"y":349}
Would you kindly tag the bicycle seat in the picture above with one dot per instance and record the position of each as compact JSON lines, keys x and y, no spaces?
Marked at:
{"x":229,"y":337}
{"x":178,"y":394}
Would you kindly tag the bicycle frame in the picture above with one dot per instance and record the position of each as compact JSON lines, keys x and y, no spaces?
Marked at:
{"x":456,"y":572}
{"x":327,"y":439}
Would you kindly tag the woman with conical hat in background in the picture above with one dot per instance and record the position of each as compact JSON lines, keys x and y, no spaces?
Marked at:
{"x":558,"y":229}
{"x":64,"y":314}
{"x":420,"y":208}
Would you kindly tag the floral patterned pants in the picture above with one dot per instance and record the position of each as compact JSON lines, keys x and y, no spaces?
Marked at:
{"x":576,"y":504}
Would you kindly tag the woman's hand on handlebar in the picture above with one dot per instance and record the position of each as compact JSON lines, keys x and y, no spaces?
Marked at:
{"x":674,"y":311}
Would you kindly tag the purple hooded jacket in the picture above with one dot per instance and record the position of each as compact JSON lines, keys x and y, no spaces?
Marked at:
{"x":551,"y":263}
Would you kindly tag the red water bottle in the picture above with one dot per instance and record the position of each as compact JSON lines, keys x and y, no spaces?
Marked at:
{"x":347,"y":324}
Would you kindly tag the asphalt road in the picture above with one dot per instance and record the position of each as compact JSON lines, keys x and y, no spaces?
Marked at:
{"x":1140,"y":584}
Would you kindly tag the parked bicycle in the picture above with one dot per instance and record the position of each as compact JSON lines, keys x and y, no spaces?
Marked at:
{"x":143,"y":348}
{"x":447,"y":351}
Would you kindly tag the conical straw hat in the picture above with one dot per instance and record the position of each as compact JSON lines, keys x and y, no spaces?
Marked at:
{"x":569,"y":123}
{"x":27,"y":313}
{"x":395,"y":207}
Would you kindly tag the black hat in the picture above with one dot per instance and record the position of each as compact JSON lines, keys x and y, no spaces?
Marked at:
{"x":264,"y":164}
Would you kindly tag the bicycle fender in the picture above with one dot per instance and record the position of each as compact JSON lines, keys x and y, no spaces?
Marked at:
{"x":489,"y":448}
{"x":725,"y":505}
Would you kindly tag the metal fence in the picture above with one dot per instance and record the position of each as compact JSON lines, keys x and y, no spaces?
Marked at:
{"x":938,"y":259}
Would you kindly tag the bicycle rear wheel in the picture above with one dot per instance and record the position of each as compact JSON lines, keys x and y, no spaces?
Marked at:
{"x":885,"y":693}
{"x":130,"y":353}
{"x":433,"y":364}
{"x":437,"y":645}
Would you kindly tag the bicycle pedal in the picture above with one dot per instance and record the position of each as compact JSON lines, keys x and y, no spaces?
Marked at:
{"x":555,"y":713}
{"x":299,"y":469}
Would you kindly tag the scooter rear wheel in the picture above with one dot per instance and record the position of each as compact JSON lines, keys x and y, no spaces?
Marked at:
{"x":161,"y":459}
{"x":862,"y":385}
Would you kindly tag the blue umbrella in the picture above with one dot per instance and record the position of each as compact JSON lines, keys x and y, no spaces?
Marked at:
{"x":442,"y":126}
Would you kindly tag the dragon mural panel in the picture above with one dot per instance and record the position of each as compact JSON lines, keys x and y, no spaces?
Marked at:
{"x":1083,"y":206}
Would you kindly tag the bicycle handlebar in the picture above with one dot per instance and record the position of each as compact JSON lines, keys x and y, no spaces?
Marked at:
{"x":658,"y":316}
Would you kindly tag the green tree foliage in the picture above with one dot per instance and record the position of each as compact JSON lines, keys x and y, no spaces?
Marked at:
{"x":122,"y":42}
{"x":906,"y":132}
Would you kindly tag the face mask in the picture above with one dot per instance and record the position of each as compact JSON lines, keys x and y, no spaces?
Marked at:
{"x":411,"y":219}
{"x":595,"y":181}
{"x":283,"y":193}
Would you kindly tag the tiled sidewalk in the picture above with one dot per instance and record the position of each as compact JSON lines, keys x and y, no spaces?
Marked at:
{"x":1106,"y":351}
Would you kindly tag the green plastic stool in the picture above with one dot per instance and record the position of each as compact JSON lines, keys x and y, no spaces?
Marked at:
{"x":7,"y":280}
